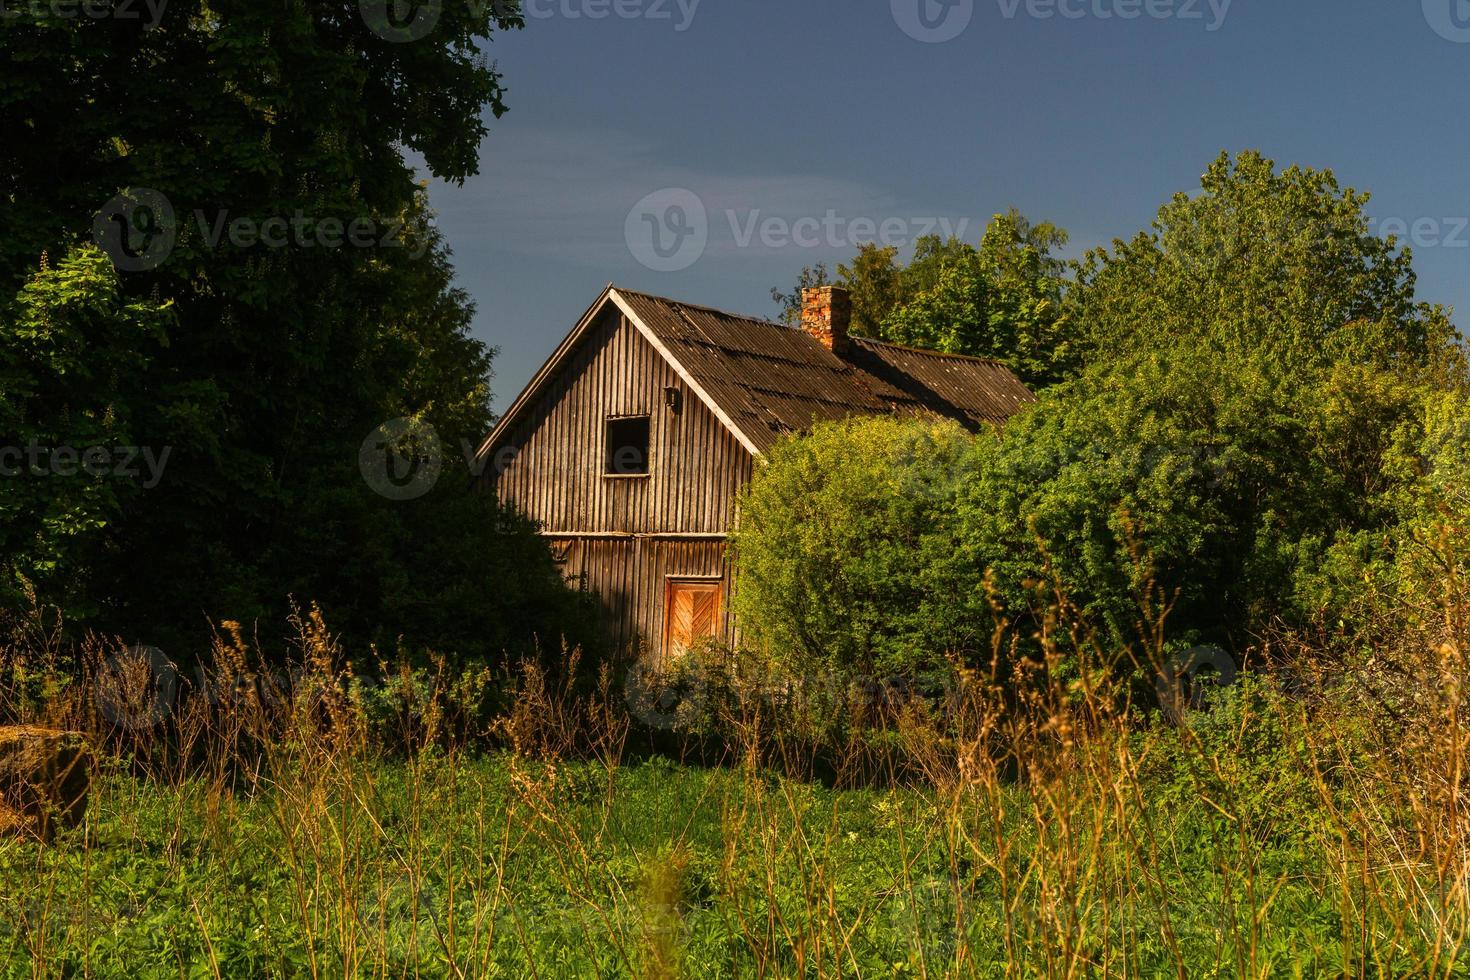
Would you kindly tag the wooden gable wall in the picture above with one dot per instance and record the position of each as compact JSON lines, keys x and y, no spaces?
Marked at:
{"x":630,"y":539}
{"x":550,"y":465}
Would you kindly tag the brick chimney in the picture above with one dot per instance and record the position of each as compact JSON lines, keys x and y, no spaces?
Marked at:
{"x":826,"y":313}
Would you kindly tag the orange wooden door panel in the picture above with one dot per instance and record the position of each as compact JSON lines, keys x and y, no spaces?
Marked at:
{"x":691,"y":614}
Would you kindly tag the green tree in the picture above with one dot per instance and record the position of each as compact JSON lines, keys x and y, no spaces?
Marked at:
{"x":1002,"y":300}
{"x":1260,"y":264}
{"x":270,"y":131}
{"x":1252,"y":365}
{"x":878,"y":283}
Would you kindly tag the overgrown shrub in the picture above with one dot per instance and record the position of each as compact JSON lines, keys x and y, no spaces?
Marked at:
{"x":1243,"y":760}
{"x":844,"y":550}
{"x":1257,"y":373}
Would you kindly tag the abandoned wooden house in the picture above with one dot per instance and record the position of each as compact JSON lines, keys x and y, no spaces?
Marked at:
{"x":629,"y":445}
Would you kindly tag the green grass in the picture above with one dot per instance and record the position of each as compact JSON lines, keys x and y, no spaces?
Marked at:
{"x":322,"y":829}
{"x":497,"y":866}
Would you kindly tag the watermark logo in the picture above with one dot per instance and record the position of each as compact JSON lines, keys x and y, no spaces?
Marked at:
{"x":1424,"y":232}
{"x":301,"y":230}
{"x":1212,"y":13}
{"x":139,"y":230}
{"x":679,"y":13}
{"x":933,"y":21}
{"x":136,"y":688}
{"x":401,"y":21}
{"x":836,"y":231}
{"x":1449,"y":18}
{"x":937,"y":21}
{"x":136,"y":229}
{"x":660,"y":699}
{"x":668,"y":230}
{"x":1187,"y":676}
{"x":401,"y":459}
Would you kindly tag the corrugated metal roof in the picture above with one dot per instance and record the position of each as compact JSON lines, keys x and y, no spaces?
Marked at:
{"x":770,"y":379}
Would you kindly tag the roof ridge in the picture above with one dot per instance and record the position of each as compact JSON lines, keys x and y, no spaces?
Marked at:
{"x":925,"y":350}
{"x":707,"y":309}
{"x":786,"y":326}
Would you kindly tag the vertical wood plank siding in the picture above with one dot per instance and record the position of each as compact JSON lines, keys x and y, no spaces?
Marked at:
{"x":551,"y":464}
{"x":624,"y":536}
{"x":629,"y":574}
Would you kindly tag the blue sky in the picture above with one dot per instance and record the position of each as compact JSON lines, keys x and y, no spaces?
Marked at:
{"x":802,"y":127}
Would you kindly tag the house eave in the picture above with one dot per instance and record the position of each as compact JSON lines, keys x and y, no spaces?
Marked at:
{"x":548,"y":370}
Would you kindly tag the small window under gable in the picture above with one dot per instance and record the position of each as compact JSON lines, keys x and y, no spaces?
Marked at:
{"x":627,"y":446}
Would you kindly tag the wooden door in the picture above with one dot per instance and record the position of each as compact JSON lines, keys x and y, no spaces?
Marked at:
{"x":691,"y":614}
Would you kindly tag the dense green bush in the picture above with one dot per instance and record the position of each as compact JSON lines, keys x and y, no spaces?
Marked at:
{"x":1264,"y":344}
{"x":1183,"y":481}
{"x":1220,"y":492}
{"x":1265,"y":410}
{"x":844,"y":548}
{"x":1255,"y":361}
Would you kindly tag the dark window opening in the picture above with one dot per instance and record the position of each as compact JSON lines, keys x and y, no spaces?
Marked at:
{"x":627,"y":447}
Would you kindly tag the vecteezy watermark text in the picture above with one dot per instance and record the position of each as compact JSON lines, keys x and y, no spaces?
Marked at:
{"x":126,"y":462}
{"x":833,"y":230}
{"x":937,"y":21}
{"x":139,"y":229}
{"x":402,"y":21}
{"x":1424,"y":232}
{"x":148,"y":11}
{"x":678,"y":13}
{"x":1211,"y":12}
{"x":670,"y":229}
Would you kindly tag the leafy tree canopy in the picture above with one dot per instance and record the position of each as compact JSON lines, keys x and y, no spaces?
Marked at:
{"x":1263,"y":423}
{"x":1261,"y":265}
{"x":287,"y":297}
{"x":1252,"y":364}
{"x":1002,"y":299}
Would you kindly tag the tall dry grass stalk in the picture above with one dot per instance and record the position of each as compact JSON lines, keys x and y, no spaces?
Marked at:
{"x":1032,"y":824}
